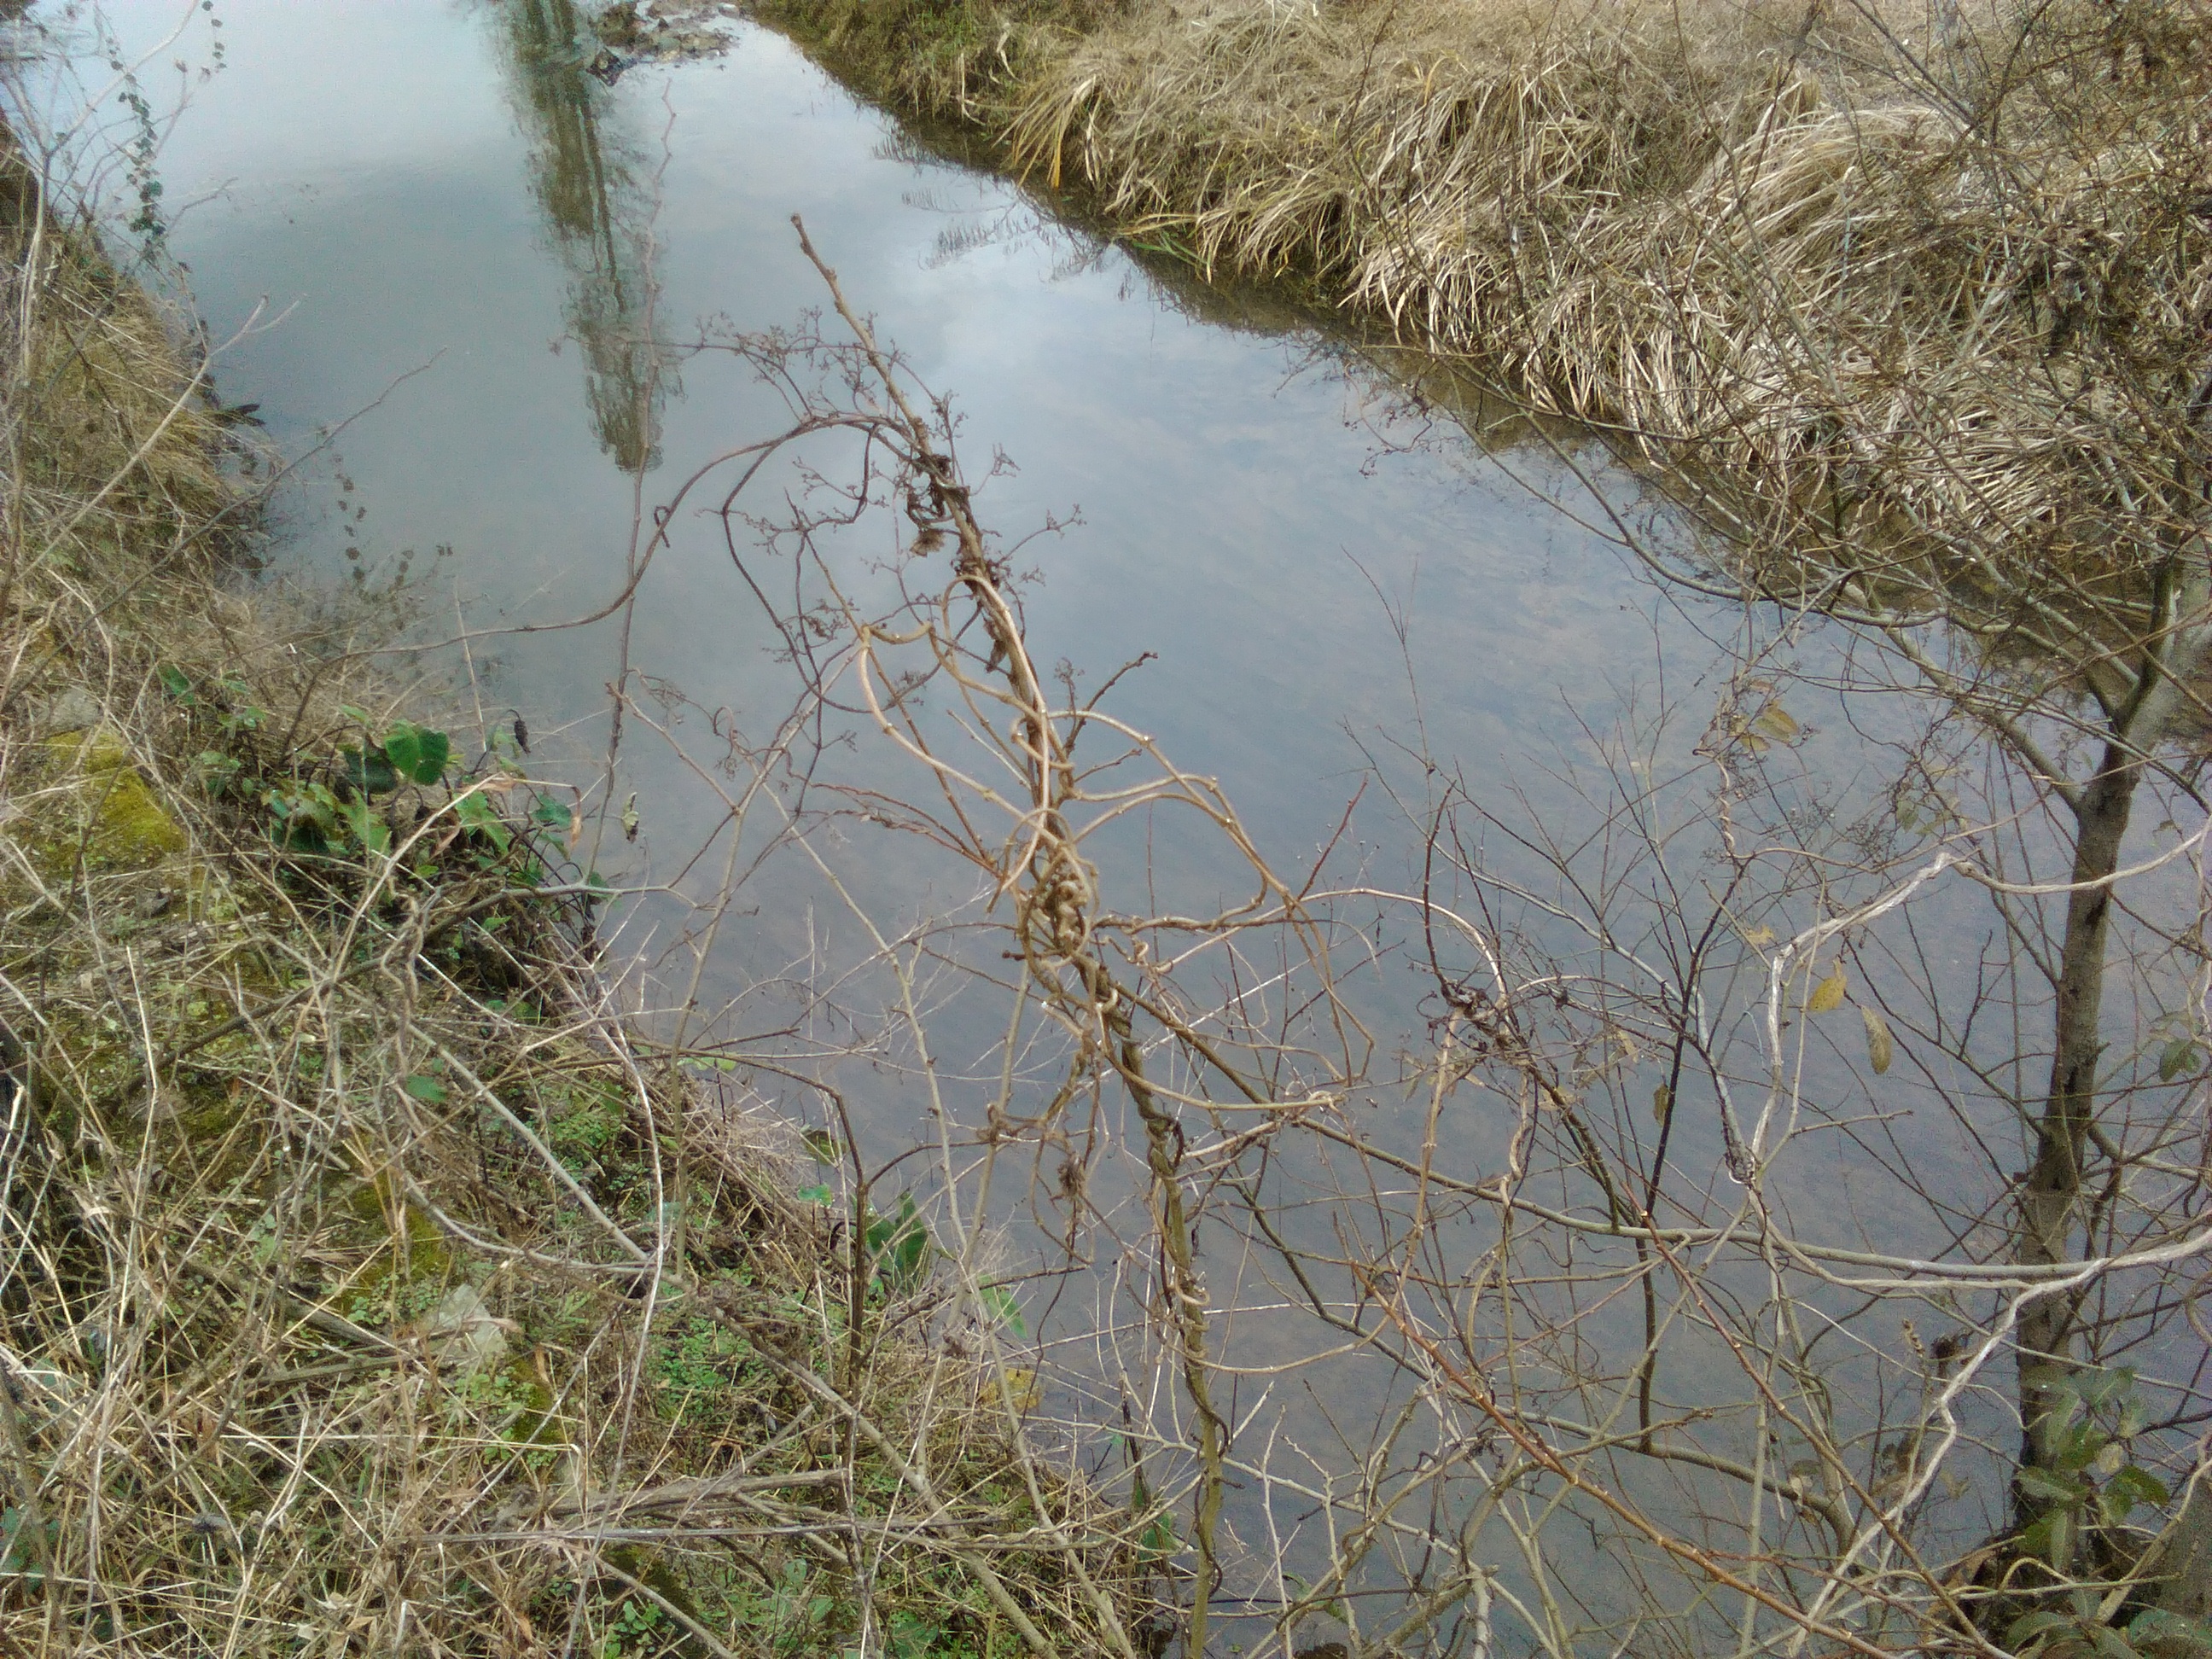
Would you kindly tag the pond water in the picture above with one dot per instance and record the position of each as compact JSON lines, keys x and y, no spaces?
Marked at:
{"x":426,"y":234}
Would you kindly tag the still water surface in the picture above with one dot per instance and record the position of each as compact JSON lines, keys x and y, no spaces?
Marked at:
{"x":407,"y":214}
{"x":449,"y":247}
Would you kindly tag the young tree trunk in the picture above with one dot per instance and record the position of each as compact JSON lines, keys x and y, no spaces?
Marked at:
{"x":2050,"y":1198}
{"x":2172,"y":653}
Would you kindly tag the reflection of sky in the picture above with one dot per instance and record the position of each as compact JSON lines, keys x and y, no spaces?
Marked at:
{"x":364,"y":169}
{"x":376,"y":185}
{"x":361,"y":166}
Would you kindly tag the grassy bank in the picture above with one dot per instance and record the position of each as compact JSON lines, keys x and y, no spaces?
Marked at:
{"x":1773,"y":244}
{"x":365,"y":1284}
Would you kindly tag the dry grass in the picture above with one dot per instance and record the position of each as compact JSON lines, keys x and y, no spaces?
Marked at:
{"x":368,"y":1285}
{"x":1771,"y":246}
{"x":945,"y":59}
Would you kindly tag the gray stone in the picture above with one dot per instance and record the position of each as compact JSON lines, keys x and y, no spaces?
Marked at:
{"x":463,"y":1333}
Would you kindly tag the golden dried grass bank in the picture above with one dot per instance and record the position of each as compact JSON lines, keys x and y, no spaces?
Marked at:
{"x":1772,"y":244}
{"x":367,"y":1283}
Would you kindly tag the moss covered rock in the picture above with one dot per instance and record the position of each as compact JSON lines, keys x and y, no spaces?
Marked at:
{"x":96,"y":807}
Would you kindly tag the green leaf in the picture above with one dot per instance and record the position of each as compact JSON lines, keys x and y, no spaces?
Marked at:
{"x":2157,"y":1625}
{"x":2029,"y":1625}
{"x":998,"y":1302}
{"x":373,"y":834}
{"x":479,"y":814}
{"x":426,"y":1089}
{"x":2135,"y":1486}
{"x":554,"y":813}
{"x":2080,"y":1447}
{"x":2065,"y":1405}
{"x":2058,"y":1538}
{"x":2102,"y":1387}
{"x":417,"y":753}
{"x":1158,"y":1539}
{"x":14,"y":1558}
{"x":2178,"y":1056}
{"x":2052,"y":1488}
{"x":817,"y":1195}
{"x":370,"y":771}
{"x":306,"y":815}
{"x":900,"y":1243}
{"x":174,"y":682}
{"x":215,"y":770}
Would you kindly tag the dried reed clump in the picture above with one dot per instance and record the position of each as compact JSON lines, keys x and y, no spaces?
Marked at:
{"x":366,"y":1284}
{"x":1796,"y":253}
{"x":1781,"y":247}
{"x":947,"y":59}
{"x":105,"y":432}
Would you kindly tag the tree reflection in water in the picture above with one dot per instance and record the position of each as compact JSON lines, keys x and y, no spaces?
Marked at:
{"x":600,"y":218}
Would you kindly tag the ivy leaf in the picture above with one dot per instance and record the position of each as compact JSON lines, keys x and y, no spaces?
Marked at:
{"x":1879,"y":1050}
{"x":2053,"y":1537}
{"x":370,"y":771}
{"x":428,"y":1089}
{"x":2178,"y":1056}
{"x":2103,"y":1386}
{"x":416,"y":753}
{"x":174,"y":683}
{"x":815,"y":1195}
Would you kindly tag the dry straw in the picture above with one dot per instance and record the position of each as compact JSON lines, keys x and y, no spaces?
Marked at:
{"x":1771,"y":247}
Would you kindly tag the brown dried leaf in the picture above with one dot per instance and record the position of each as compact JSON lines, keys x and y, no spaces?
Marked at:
{"x":1829,"y":993}
{"x":1880,"y":1049}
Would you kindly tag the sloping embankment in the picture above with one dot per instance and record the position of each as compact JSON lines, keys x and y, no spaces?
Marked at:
{"x":1777,"y":246}
{"x":366,"y":1286}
